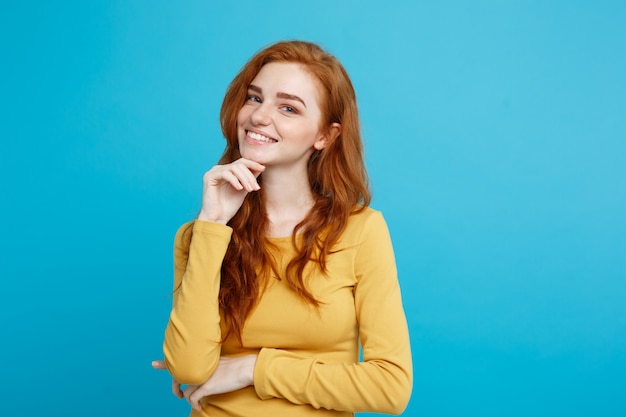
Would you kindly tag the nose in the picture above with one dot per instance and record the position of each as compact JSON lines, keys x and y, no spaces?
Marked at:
{"x":261,"y":115}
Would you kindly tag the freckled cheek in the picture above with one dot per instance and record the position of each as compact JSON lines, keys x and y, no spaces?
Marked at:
{"x":241,"y":117}
{"x":241,"y":121}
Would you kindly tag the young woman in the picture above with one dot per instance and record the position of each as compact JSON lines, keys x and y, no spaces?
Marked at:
{"x":287,"y":273}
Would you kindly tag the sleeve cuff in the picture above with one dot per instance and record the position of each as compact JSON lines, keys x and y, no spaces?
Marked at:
{"x":215,"y":229}
{"x":260,"y":376}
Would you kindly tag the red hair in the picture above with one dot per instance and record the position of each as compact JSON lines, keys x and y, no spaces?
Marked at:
{"x":336,"y":173}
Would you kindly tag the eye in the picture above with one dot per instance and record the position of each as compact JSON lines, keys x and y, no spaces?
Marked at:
{"x":289,"y":109}
{"x":253,"y":98}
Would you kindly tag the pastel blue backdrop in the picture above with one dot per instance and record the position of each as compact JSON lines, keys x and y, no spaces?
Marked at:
{"x":495,"y":135}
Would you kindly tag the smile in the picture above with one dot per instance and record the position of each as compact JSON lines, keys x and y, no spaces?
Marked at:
{"x":259,"y":137}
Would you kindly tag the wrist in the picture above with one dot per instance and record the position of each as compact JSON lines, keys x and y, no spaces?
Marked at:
{"x":208,"y":218}
{"x":248,"y":364}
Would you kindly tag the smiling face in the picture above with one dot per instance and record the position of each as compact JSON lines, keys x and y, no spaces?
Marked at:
{"x":279,"y":123}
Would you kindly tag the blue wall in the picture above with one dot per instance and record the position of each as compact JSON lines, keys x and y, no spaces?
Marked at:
{"x":495,"y":135}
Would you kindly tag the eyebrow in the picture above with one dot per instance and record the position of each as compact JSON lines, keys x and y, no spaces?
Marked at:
{"x":279,"y":94}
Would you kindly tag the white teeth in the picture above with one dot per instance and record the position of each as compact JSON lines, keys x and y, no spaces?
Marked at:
{"x":259,"y":137}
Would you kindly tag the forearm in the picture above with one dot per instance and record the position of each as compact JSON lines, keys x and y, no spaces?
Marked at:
{"x":382,"y":386}
{"x":193,"y":337}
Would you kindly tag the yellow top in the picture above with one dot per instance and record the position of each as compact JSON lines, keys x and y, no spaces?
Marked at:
{"x":308,"y":359}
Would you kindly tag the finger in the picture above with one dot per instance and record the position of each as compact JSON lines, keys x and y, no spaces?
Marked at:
{"x":194,"y":400}
{"x":238,"y":176}
{"x":235,"y":179}
{"x":214,"y":177}
{"x":246,"y":177}
{"x":253,"y":166}
{"x":188,"y":391}
{"x":158,"y":365}
{"x":176,"y":389}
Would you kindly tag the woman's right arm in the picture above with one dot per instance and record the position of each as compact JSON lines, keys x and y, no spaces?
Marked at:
{"x":193,"y":337}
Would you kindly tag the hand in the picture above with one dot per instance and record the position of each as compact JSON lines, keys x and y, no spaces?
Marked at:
{"x":231,"y":374}
{"x":226,"y":186}
{"x":175,"y":384}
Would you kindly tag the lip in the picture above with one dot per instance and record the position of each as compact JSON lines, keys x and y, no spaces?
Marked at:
{"x":258,"y":132}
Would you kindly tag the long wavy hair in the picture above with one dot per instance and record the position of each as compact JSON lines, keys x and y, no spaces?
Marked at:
{"x":336,"y":173}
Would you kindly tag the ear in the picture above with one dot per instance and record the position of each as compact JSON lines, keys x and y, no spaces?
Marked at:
{"x":334,"y":130}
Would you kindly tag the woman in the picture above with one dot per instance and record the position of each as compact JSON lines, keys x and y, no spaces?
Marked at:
{"x":286,"y":271}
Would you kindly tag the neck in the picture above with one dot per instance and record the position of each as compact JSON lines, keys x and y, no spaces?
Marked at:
{"x":288,"y":199}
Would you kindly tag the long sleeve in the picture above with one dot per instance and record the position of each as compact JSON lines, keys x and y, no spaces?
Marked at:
{"x":193,"y":337}
{"x":382,"y":382}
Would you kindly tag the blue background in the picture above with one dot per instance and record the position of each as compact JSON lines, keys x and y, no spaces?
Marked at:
{"x":495,"y":135}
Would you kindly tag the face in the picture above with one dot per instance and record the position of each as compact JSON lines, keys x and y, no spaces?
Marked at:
{"x":279,"y":123}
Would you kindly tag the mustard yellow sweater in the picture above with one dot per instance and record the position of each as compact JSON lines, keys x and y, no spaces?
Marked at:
{"x":308,"y":359}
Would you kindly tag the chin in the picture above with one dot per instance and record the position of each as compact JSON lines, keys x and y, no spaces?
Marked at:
{"x":253,"y":156}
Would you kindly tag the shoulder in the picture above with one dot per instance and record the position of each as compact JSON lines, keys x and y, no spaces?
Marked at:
{"x":363,"y":215}
{"x":362,"y":224}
